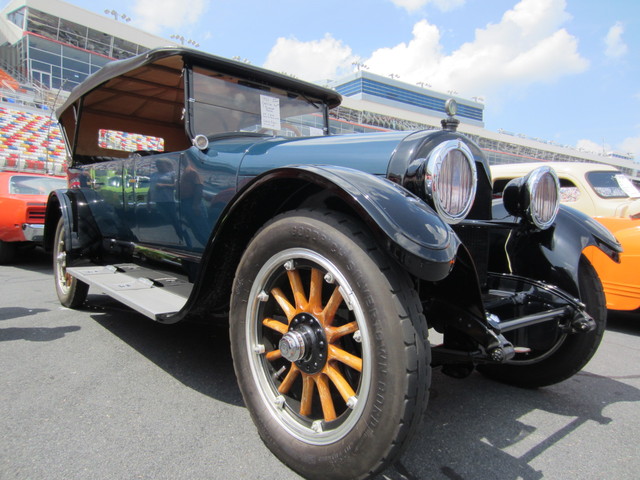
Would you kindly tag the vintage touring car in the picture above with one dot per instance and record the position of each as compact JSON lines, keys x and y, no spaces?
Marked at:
{"x":330,"y":257}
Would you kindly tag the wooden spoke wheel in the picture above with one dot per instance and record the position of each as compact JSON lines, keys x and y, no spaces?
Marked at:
{"x":327,"y":347}
{"x":308,"y":344}
{"x":71,"y":292}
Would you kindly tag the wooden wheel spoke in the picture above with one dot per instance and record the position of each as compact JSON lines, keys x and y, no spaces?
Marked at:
{"x":287,"y":383}
{"x":288,"y":309}
{"x":315,"y":291}
{"x":334,"y":333}
{"x":340,"y":382}
{"x":275,"y":325}
{"x":273,"y":355}
{"x":326,"y":401}
{"x":332,"y":306}
{"x":308,"y":387}
{"x":345,"y":357}
{"x":298,"y":290}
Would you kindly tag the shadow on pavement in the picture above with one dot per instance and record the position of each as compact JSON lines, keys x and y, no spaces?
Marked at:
{"x":199,"y":356}
{"x":470,"y":422}
{"x":7,"y":313}
{"x":469,"y":425}
{"x":624,"y":322}
{"x":35,"y":334}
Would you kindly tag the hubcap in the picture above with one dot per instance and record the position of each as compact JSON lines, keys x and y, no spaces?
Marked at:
{"x":292,"y":346}
{"x":305,"y":343}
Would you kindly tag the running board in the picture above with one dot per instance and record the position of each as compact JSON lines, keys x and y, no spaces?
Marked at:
{"x":150,"y":292}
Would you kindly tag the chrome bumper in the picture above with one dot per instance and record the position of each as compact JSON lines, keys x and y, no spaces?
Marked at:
{"x":33,"y":232}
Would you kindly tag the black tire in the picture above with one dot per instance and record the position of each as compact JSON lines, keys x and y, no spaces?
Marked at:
{"x":8,"y":252}
{"x":71,"y":292}
{"x":382,"y":330}
{"x":570,"y":353}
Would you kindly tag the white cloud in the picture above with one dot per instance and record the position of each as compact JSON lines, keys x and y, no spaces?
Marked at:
{"x":415,"y":5}
{"x":156,"y":15}
{"x":317,"y":60}
{"x":631,"y":144}
{"x":594,"y":147}
{"x":527,"y":46}
{"x":628,"y":145}
{"x":615,"y":46}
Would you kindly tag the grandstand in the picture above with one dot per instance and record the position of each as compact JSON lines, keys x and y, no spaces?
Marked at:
{"x":30,"y":141}
{"x":49,"y":46}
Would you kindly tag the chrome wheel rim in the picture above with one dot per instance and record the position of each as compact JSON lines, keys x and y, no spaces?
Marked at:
{"x":318,"y":395}
{"x":63,"y":279}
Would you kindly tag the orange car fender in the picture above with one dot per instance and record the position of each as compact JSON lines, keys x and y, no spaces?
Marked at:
{"x":621,"y":281}
{"x":12,"y":216}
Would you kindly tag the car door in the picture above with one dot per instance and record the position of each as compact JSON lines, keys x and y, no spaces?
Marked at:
{"x":154,"y":191}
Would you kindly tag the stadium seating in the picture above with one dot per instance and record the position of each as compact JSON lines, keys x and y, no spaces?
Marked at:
{"x":30,"y":141}
{"x":7,"y":81}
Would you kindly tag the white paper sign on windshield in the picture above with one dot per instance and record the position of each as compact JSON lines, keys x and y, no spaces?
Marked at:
{"x":627,"y":186}
{"x":270,"y":112}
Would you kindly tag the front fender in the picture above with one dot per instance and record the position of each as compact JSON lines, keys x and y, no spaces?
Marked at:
{"x":553,"y":255}
{"x":410,"y":230}
{"x":402,"y":223}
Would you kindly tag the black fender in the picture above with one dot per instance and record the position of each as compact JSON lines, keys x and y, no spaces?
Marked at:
{"x":552,"y":255}
{"x":58,"y":205}
{"x":80,"y":229}
{"x":402,"y":223}
{"x":410,"y":230}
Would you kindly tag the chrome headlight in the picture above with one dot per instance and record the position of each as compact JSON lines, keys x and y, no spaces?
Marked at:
{"x":451,"y":180}
{"x":536,"y":197}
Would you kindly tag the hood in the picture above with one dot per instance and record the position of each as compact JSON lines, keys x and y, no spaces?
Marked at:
{"x":370,"y":153}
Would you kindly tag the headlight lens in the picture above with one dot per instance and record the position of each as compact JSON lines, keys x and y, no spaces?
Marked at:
{"x":451,"y":180}
{"x":536,"y":196}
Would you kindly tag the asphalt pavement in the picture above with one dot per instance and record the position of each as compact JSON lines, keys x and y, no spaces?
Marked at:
{"x":105,"y":393}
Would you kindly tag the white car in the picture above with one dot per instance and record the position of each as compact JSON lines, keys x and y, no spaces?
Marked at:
{"x":595,"y":189}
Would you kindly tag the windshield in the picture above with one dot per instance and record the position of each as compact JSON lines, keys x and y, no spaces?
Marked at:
{"x":612,"y":185}
{"x":225,"y":104}
{"x":32,"y":185}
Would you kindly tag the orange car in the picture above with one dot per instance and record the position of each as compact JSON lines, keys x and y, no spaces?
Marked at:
{"x":607,"y":195}
{"x":23,"y":198}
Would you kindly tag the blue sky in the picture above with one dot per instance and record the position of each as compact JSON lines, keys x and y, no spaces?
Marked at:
{"x":561,"y":70}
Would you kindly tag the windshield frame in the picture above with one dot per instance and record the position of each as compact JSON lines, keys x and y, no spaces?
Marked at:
{"x":261,"y":96}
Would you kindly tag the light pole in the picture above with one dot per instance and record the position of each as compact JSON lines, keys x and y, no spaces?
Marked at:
{"x":189,"y":41}
{"x":117,"y":15}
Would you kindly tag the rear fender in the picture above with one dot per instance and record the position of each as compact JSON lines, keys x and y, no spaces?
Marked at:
{"x":80,"y":229}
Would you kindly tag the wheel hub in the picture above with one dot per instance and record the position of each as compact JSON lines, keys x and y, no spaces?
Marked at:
{"x":305,"y":344}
